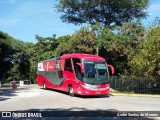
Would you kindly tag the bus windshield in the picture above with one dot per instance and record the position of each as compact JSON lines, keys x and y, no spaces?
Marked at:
{"x":95,"y":73}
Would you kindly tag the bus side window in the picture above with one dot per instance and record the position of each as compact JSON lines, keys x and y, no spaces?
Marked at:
{"x":68,"y":65}
{"x":60,"y":74}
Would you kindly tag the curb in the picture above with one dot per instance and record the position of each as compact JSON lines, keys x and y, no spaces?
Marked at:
{"x":135,"y":95}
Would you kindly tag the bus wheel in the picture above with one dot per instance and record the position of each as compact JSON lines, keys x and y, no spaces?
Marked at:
{"x":44,"y":85}
{"x":71,"y":91}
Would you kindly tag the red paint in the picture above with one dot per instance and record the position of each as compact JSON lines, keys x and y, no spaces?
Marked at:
{"x":51,"y":66}
{"x":69,"y":77}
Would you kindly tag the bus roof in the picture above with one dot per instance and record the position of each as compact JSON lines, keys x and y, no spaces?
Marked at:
{"x":82,"y":56}
{"x":77,"y":55}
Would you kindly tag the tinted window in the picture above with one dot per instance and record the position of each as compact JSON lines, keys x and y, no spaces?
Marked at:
{"x":68,"y":65}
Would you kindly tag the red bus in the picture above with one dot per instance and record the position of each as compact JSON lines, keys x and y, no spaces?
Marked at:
{"x":82,"y":74}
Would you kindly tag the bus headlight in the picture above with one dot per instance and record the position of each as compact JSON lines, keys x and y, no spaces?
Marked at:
{"x":91,"y":87}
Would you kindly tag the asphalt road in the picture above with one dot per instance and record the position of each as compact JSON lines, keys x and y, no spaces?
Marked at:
{"x":34,"y":98}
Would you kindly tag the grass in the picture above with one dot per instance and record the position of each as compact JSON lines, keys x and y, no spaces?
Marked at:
{"x":5,"y":85}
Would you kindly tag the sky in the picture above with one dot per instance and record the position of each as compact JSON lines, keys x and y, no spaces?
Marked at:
{"x":23,"y":19}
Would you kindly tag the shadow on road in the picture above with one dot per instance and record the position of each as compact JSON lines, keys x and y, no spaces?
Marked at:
{"x":7,"y":92}
{"x":58,"y":91}
{"x":75,"y":113}
{"x":79,"y":96}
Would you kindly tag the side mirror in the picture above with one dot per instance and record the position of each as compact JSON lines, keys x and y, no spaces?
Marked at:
{"x":111,"y":67}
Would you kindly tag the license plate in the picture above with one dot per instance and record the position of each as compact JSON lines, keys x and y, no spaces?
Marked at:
{"x":98,"y":92}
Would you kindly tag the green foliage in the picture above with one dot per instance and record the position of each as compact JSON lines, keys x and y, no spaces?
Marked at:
{"x":21,"y":64}
{"x":14,"y":58}
{"x":6,"y":54}
{"x":130,"y":48}
{"x":63,"y":44}
{"x":145,"y":60}
{"x":103,"y":11}
{"x":83,"y":41}
{"x":115,"y":44}
{"x":42,"y":50}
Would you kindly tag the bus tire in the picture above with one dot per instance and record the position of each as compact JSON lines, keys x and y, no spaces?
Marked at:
{"x":71,"y":91}
{"x":44,"y":85}
{"x":108,"y":95}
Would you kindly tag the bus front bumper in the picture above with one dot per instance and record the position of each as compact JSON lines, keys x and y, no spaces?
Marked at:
{"x":89,"y":90}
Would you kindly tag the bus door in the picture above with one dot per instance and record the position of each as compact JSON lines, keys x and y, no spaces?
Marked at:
{"x":77,"y":72}
{"x":68,"y":73}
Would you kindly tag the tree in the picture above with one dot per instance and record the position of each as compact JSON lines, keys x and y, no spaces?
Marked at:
{"x":64,"y":44}
{"x":20,"y":62}
{"x":83,"y":41}
{"x":14,"y":58}
{"x":145,"y":61}
{"x":131,"y":35}
{"x":21,"y":65}
{"x":115,"y":45}
{"x":6,"y":54}
{"x":44,"y":49}
{"x":103,"y":11}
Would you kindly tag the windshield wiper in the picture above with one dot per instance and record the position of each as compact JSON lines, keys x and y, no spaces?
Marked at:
{"x":94,"y":81}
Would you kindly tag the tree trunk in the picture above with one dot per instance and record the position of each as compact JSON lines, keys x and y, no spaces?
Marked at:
{"x":97,"y":51}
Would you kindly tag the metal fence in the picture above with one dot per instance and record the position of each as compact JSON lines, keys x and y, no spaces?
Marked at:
{"x":132,"y":84}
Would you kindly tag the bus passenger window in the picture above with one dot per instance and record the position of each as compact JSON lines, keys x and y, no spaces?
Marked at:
{"x":60,"y":74}
{"x":68,"y":65}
